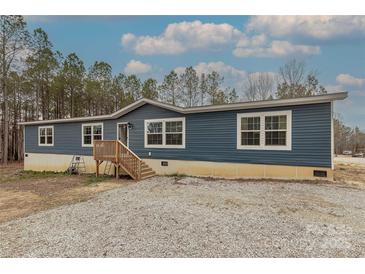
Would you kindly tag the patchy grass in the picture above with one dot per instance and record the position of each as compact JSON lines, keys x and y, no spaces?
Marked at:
{"x":93,"y":180}
{"x":28,"y":174}
{"x":26,"y":192}
{"x":178,"y":175}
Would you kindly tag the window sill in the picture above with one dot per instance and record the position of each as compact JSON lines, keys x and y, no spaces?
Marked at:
{"x":165,"y":146}
{"x":277,"y":148}
{"x":87,"y":145}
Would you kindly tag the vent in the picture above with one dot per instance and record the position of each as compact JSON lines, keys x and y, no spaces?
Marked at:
{"x":164,"y":163}
{"x":319,"y":173}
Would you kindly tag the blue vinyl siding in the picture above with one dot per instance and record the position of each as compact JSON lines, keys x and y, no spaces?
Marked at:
{"x":209,"y":137}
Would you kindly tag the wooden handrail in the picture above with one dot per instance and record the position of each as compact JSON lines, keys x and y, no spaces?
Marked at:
{"x":135,"y":155}
{"x":120,"y":154}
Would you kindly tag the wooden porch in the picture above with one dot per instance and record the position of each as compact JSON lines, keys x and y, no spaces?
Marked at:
{"x":121,"y":157}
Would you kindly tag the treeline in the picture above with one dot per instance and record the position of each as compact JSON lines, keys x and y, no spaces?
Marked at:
{"x":347,"y":138}
{"x":39,"y":82}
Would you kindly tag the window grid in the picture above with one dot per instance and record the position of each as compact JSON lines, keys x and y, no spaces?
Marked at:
{"x":91,"y":132}
{"x":165,"y":133}
{"x":45,"y":136}
{"x":275,"y":130}
{"x":250,"y":131}
{"x":264,"y":130}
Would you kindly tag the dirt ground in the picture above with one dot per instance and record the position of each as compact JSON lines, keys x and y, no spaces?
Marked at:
{"x":350,"y":174}
{"x":24,"y":193}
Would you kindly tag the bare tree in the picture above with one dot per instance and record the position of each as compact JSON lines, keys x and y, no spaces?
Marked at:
{"x":13,"y":38}
{"x":294,"y":82}
{"x":259,"y":86}
{"x":293,"y":72}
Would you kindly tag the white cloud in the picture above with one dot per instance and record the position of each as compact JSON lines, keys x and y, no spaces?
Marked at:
{"x":319,"y":27}
{"x":254,"y":41}
{"x":178,"y":38}
{"x":274,"y":49}
{"x":181,"y":37}
{"x":128,"y":39}
{"x":349,"y":80}
{"x":137,"y":67}
{"x":233,"y":77}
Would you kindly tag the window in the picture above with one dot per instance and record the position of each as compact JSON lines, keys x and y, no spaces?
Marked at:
{"x":45,"y":135}
{"x":166,"y":133}
{"x":91,"y":132}
{"x":275,"y":130}
{"x":154,"y":133}
{"x":174,"y":134}
{"x":264,"y":130}
{"x":250,"y":131}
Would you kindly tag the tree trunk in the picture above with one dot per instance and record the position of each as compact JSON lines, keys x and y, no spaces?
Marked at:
{"x":6,"y":120}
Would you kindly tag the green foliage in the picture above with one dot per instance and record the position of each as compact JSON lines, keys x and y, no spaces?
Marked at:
{"x":189,"y":87}
{"x":149,"y":89}
{"x":133,"y":88}
{"x":214,"y":81}
{"x":168,"y":91}
{"x":71,"y":80}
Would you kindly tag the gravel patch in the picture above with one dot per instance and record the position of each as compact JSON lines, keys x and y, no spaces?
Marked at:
{"x":192,"y":217}
{"x":349,"y":160}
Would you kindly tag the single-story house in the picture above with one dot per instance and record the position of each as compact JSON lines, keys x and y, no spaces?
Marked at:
{"x":281,"y":138}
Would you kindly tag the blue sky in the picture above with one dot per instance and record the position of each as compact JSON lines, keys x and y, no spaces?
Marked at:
{"x":151,"y":46}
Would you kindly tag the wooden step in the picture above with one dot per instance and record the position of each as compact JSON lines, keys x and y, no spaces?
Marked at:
{"x":146,"y":169}
{"x":147,"y":175}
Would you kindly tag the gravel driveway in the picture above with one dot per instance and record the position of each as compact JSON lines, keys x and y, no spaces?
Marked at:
{"x":191,"y":217}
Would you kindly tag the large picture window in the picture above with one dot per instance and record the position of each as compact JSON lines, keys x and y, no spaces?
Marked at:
{"x":91,"y":132}
{"x":264,"y":130}
{"x":45,"y":136}
{"x":166,"y":133}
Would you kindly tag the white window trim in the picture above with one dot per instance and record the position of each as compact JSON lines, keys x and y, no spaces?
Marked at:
{"x":182,"y":119}
{"x":92,"y":134}
{"x":39,"y":136}
{"x":262,"y":115}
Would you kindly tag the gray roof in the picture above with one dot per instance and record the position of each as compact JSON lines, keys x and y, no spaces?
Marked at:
{"x":210,"y":108}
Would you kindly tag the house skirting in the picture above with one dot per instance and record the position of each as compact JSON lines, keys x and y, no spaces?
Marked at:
{"x":60,"y":162}
{"x":235,"y":170}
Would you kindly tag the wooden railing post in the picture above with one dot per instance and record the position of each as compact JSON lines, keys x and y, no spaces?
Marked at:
{"x":139,"y":170}
{"x":97,"y":168}
{"x":116,"y":152}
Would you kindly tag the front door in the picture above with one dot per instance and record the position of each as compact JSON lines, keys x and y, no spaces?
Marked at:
{"x":123,"y":133}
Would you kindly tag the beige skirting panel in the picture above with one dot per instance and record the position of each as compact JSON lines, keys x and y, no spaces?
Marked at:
{"x":60,"y":162}
{"x":235,"y":170}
